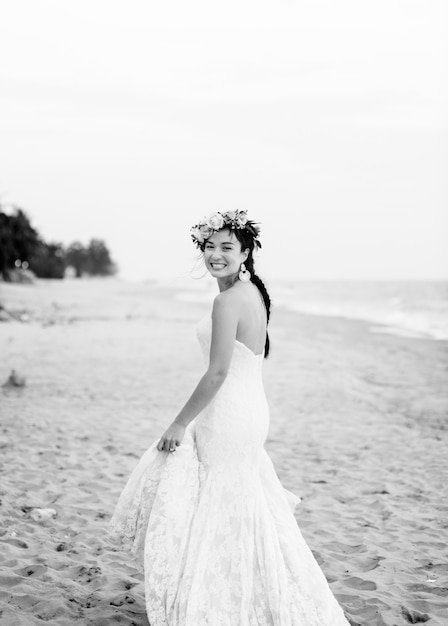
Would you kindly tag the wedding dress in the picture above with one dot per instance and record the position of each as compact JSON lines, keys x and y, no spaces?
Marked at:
{"x":215,"y":526}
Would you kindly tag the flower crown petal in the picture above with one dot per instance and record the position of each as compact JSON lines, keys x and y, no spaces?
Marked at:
{"x":235,"y":219}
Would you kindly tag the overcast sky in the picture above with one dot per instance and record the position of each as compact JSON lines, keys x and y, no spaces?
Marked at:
{"x":326,"y":119}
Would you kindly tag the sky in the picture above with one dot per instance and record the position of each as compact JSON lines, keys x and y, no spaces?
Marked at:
{"x":326,"y":120}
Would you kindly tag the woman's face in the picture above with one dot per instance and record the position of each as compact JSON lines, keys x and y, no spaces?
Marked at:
{"x":223,"y":255}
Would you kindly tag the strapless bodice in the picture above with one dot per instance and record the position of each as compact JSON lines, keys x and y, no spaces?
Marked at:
{"x":242,"y":357}
{"x":239,"y":405}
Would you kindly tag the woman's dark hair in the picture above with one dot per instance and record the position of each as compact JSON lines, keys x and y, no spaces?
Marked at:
{"x":247,"y":240}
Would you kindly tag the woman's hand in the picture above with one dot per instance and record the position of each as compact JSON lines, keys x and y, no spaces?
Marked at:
{"x":171,"y":438}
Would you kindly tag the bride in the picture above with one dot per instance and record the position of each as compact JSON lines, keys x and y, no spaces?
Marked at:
{"x":204,"y":506}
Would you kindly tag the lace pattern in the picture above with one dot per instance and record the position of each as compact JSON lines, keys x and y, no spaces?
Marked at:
{"x":215,"y":526}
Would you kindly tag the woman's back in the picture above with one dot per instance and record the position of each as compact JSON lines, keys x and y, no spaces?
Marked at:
{"x":253,"y":318}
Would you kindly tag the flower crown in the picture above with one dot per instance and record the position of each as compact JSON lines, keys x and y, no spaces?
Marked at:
{"x":223,"y":219}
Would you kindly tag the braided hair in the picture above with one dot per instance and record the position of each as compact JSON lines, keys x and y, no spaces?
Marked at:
{"x":246,"y":237}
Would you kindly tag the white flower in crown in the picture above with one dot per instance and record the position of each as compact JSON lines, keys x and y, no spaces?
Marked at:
{"x":220,"y":219}
{"x":216,"y":221}
{"x":240,"y":219}
{"x":230,"y":216}
{"x":196,"y":234}
{"x":206,"y":231}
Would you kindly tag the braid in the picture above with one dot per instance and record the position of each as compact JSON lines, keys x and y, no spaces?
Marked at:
{"x":249,"y":263}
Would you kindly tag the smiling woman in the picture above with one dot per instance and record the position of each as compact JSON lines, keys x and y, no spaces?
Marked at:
{"x":228,"y":241}
{"x":205,"y":506}
{"x":222,"y":253}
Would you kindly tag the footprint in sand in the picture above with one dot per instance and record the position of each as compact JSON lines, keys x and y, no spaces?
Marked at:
{"x":412,"y":617}
{"x":15,"y":542}
{"x":10,"y":580}
{"x":128,"y":585}
{"x":25,"y":601}
{"x":360,"y":583}
{"x":36,"y":571}
{"x":123,"y":600}
{"x":437,"y":591}
{"x":344,"y":548}
{"x":441,"y":568}
{"x":88,"y":573}
{"x":368,"y":564}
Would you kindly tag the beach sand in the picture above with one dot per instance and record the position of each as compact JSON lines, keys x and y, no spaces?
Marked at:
{"x":359,"y":430}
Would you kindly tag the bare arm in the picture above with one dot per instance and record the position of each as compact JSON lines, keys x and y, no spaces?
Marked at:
{"x":205,"y":391}
{"x":224,"y":327}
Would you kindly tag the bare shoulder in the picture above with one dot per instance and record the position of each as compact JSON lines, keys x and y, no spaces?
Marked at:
{"x":223,"y":306}
{"x":229,"y":299}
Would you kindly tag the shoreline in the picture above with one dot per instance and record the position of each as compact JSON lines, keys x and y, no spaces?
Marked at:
{"x":201,"y":298}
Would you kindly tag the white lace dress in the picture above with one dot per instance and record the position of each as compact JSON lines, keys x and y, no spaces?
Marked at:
{"x":216,"y":527}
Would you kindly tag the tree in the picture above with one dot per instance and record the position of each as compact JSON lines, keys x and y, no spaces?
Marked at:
{"x":99,"y":260}
{"x":49,"y":260}
{"x":18,"y":240}
{"x":76,"y":256}
{"x":6,"y":244}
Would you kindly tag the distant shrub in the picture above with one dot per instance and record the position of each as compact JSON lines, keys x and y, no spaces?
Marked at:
{"x":18,"y":240}
{"x":48,"y":260}
{"x":21,"y":247}
{"x":93,"y":260}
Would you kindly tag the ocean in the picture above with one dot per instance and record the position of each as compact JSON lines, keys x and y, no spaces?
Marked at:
{"x":416,"y":309}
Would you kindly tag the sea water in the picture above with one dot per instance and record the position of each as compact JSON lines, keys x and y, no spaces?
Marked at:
{"x":409,"y":308}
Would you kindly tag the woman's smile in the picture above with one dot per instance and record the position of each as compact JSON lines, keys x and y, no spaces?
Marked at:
{"x":217,"y":266}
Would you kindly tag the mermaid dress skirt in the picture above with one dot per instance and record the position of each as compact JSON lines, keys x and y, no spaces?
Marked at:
{"x":215,"y":526}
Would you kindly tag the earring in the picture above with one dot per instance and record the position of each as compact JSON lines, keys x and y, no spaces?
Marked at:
{"x":244,"y":274}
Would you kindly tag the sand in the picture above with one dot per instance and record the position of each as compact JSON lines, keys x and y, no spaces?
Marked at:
{"x":359,"y":430}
